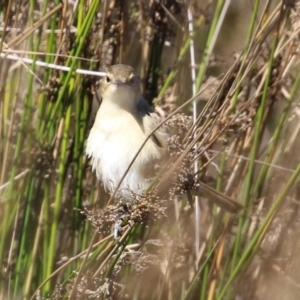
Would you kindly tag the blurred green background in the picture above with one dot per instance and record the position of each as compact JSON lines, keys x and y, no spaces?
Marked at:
{"x":246,"y":65}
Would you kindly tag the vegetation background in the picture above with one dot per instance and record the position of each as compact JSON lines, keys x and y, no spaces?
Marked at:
{"x":55,"y":219}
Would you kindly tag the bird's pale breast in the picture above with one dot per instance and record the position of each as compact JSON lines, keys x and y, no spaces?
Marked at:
{"x":113,"y":142}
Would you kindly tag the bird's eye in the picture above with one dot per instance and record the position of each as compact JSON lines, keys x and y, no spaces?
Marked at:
{"x":107,"y":79}
{"x":131,"y":79}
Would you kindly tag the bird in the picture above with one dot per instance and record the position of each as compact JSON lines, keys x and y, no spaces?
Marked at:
{"x":122,"y":129}
{"x":122,"y":124}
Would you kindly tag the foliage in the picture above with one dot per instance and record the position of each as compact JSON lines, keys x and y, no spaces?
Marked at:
{"x":56,"y":221}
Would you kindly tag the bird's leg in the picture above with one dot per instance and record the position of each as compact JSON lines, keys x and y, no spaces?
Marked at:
{"x":122,"y":219}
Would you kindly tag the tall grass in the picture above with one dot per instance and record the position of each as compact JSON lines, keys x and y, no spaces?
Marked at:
{"x":56,"y":221}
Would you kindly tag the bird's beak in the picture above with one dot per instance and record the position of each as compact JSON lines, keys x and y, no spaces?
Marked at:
{"x":118,"y":82}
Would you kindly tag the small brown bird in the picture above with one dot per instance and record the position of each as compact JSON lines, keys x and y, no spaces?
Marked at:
{"x":123,"y":123}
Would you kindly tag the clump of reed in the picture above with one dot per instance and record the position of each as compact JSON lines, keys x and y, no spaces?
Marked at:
{"x":241,"y":137}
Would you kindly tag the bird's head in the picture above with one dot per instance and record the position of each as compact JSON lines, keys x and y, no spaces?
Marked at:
{"x":121,"y":86}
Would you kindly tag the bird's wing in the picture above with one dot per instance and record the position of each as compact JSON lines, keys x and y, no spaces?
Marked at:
{"x":150,"y":121}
